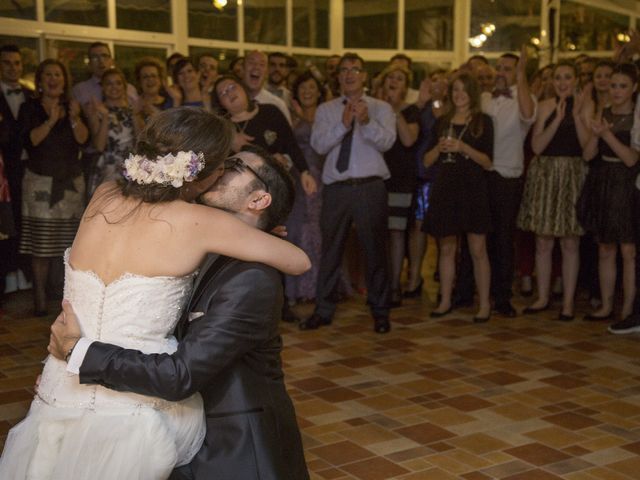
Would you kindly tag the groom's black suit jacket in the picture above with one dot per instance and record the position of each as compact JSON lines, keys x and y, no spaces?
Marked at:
{"x":231,"y":355}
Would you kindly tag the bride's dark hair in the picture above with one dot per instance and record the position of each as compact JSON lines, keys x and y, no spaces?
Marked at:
{"x":175,"y":130}
{"x":171,"y":131}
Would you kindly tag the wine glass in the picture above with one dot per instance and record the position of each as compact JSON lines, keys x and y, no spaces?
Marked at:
{"x":451,"y":135}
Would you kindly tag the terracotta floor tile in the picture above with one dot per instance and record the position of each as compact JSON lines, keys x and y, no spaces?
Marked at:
{"x":341,"y":452}
{"x":425,"y":433}
{"x":313,"y":384}
{"x":571,"y":421}
{"x":467,"y":403}
{"x":374,"y":469}
{"x":533,"y":475}
{"x":502,"y":378}
{"x":537,"y":454}
{"x":338,"y":394}
{"x":478,"y":443}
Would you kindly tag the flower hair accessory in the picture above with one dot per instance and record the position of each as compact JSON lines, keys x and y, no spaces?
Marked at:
{"x":169,"y":169}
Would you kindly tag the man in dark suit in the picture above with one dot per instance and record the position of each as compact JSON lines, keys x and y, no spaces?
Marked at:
{"x":229,"y":346}
{"x":12,"y":95}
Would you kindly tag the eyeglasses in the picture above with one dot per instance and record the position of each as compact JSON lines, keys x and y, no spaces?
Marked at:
{"x":238,"y":165}
{"x":347,"y":70}
{"x":227,"y":90}
{"x":99,"y":56}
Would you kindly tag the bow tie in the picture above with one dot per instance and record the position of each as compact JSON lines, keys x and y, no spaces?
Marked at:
{"x":504,"y":92}
{"x":14,"y":91}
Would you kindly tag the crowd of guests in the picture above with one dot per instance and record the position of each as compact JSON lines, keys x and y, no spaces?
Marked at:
{"x":496,"y":162}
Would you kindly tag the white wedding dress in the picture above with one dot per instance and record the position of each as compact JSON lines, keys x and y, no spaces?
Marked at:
{"x":75,"y":431}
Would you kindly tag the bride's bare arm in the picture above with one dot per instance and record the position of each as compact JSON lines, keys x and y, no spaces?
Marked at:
{"x":220,"y":232}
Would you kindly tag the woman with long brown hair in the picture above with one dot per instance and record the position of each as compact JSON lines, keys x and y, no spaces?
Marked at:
{"x":462,"y":144}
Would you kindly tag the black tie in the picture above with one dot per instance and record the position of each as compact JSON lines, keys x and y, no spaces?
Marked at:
{"x":14,"y":91}
{"x":345,"y":148}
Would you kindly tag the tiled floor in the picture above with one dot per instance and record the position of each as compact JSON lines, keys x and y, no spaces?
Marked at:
{"x":527,"y":398}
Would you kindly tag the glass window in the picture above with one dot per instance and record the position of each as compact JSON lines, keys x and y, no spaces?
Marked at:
{"x":146,"y":15}
{"x":29,"y":52}
{"x":371,"y":24}
{"x":25,"y":9}
{"x":126,"y":57}
{"x":428,"y":25}
{"x":265,"y":21}
{"x":73,"y":55}
{"x":224,"y":56}
{"x":311,"y":23}
{"x":79,"y":12}
{"x":216,"y":19}
{"x":503,"y":26}
{"x":587,"y":28}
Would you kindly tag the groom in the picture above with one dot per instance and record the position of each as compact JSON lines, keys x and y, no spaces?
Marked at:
{"x":229,"y":346}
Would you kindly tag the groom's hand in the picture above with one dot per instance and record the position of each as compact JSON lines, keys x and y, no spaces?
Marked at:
{"x":65,"y":333}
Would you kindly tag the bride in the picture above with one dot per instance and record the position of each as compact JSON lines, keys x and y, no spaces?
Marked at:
{"x":128,"y":276}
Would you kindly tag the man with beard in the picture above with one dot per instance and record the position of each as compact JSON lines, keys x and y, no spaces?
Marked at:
{"x":229,"y":346}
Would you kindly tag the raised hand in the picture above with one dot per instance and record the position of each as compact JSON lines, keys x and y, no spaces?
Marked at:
{"x":74,"y":109}
{"x":240,"y":139}
{"x":361,"y":112}
{"x":297,"y":109}
{"x":348,"y":115}
{"x":521,"y":69}
{"x":309,"y":184}
{"x":175,"y":93}
{"x":561,"y":108}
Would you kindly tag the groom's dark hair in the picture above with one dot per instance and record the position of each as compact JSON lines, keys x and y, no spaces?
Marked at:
{"x":280,"y":185}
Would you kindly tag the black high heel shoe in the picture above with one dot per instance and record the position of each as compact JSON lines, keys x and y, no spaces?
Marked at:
{"x":416,"y":292}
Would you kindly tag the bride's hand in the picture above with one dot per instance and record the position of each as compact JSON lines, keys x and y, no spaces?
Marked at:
{"x":65,"y":332}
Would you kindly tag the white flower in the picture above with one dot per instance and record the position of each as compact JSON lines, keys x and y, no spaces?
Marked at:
{"x":169,"y":169}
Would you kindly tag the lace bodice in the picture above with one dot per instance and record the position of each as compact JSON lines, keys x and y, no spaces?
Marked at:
{"x":133,"y":311}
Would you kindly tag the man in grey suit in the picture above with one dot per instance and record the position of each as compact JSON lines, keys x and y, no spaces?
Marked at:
{"x":229,"y":346}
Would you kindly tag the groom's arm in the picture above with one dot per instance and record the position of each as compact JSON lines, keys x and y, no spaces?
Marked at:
{"x":239,"y":318}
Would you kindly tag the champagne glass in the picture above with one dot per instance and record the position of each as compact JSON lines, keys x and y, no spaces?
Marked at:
{"x":451,"y":135}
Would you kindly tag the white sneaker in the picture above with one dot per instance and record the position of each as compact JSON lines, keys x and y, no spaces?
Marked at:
{"x":11,"y":283}
{"x":23,"y":283}
{"x":630,"y":324}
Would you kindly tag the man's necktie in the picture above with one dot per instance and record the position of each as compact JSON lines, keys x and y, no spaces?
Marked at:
{"x":14,"y":91}
{"x":345,"y":148}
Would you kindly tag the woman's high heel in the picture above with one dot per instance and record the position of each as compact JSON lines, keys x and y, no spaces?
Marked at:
{"x":416,"y":292}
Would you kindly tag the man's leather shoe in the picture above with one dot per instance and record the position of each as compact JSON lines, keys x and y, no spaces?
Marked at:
{"x":381,"y":324}
{"x":506,"y":310}
{"x":314,"y":322}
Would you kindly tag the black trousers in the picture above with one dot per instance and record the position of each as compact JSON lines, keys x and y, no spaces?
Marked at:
{"x":365,"y":206}
{"x":504,"y":198}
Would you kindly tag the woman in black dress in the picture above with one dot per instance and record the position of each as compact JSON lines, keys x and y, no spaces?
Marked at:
{"x":462,"y":144}
{"x":607,"y":200}
{"x":53,"y":185}
{"x":263,"y":125}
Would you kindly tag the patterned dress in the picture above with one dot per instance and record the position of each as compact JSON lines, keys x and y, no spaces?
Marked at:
{"x":120,"y":140}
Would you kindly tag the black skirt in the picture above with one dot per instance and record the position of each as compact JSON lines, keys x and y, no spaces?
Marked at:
{"x":607,"y":205}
